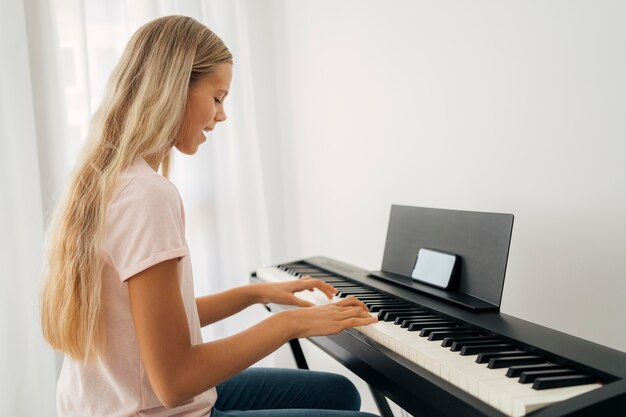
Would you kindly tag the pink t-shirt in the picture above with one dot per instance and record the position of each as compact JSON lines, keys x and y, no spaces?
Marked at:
{"x":145,"y":225}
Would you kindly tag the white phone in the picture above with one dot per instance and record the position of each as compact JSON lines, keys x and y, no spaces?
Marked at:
{"x":434,"y":267}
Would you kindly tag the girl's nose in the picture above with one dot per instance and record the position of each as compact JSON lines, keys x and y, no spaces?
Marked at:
{"x":220,"y":116}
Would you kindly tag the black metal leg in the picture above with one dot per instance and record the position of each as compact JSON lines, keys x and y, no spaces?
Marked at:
{"x":379,"y":399}
{"x":298,"y":355}
{"x":381,"y":403}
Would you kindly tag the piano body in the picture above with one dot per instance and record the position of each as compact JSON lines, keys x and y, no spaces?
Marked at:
{"x":450,"y":352}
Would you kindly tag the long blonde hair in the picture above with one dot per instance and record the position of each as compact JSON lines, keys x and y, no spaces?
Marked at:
{"x":140,"y":116}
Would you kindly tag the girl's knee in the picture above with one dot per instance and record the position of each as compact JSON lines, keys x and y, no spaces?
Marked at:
{"x":347,"y":393}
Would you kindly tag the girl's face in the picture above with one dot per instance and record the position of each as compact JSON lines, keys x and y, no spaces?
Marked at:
{"x":205,"y":108}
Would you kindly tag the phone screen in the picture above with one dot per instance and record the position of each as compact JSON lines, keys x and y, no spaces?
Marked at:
{"x":434,"y":267}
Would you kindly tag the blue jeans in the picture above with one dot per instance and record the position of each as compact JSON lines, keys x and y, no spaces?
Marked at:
{"x":274,"y":392}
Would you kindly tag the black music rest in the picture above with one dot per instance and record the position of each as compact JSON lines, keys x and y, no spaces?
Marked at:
{"x":480,"y":241}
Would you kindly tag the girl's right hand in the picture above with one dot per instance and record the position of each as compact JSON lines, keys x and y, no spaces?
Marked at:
{"x":327,"y":319}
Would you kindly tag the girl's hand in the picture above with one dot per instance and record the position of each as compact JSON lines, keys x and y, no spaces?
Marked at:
{"x":327,"y":319}
{"x":283,"y":292}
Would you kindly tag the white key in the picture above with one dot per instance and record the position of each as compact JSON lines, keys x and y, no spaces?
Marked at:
{"x":541,"y":398}
{"x":273,"y":274}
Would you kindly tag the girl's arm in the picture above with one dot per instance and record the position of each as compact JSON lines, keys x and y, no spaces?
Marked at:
{"x":179,"y":371}
{"x":215,"y":307}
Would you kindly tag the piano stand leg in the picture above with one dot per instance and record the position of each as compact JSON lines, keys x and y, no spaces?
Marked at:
{"x":380,"y":399}
{"x":298,"y":355}
{"x":381,"y":403}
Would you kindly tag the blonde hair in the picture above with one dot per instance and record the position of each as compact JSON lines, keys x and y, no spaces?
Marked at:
{"x":140,"y":116}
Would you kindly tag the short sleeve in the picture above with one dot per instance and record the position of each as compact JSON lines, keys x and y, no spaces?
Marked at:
{"x":144,"y":226}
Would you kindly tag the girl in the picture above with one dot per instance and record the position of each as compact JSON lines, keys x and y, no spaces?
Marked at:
{"x":118,"y":296}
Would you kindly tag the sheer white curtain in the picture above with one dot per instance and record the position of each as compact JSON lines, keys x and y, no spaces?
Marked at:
{"x":27,"y":366}
{"x":56,"y":56}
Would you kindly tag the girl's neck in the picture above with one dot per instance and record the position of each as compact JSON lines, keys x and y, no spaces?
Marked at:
{"x":154,"y":163}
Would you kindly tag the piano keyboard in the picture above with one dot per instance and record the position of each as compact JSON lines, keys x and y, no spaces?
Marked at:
{"x":507,"y":376}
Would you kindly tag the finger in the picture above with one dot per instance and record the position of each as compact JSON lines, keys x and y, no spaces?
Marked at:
{"x":305,"y":283}
{"x":358,"y":321}
{"x":296,"y":301}
{"x":352,"y":301}
{"x":310,"y":284}
{"x":349,"y":312}
{"x":329,"y":290}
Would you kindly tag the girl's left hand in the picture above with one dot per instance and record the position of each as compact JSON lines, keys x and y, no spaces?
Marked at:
{"x":283,"y":292}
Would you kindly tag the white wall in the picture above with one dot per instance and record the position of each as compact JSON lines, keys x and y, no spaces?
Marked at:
{"x":500,"y":106}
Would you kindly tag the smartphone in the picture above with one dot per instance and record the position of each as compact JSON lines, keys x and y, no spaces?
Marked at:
{"x":434,"y":267}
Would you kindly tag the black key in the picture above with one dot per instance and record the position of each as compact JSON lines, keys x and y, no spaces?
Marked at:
{"x":457,"y":346}
{"x":385,"y":301}
{"x":486,"y":356}
{"x":529,"y":376}
{"x":340,"y":281}
{"x":374,"y":300}
{"x":426,"y":331}
{"x":377,"y":297}
{"x":417,"y":313}
{"x":301,"y":273}
{"x":413,"y":311}
{"x":388,"y":301}
{"x":305,"y":270}
{"x":384,"y":304}
{"x":476,"y":349}
{"x":414,"y":326}
{"x":377,"y":300}
{"x":425,"y":319}
{"x":289,"y":266}
{"x":393,"y":309}
{"x":367,"y":301}
{"x":420,"y":319}
{"x":339,"y":294}
{"x":563,"y":381}
{"x":375,"y":308}
{"x":425,"y":316}
{"x":506,"y":361}
{"x":447,"y":341}
{"x":363,"y":294}
{"x":344,"y":295}
{"x":337,"y":284}
{"x":443,"y":335}
{"x":355,"y":292}
{"x":391,"y":315}
{"x":438,"y":320}
{"x":515,"y":371}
